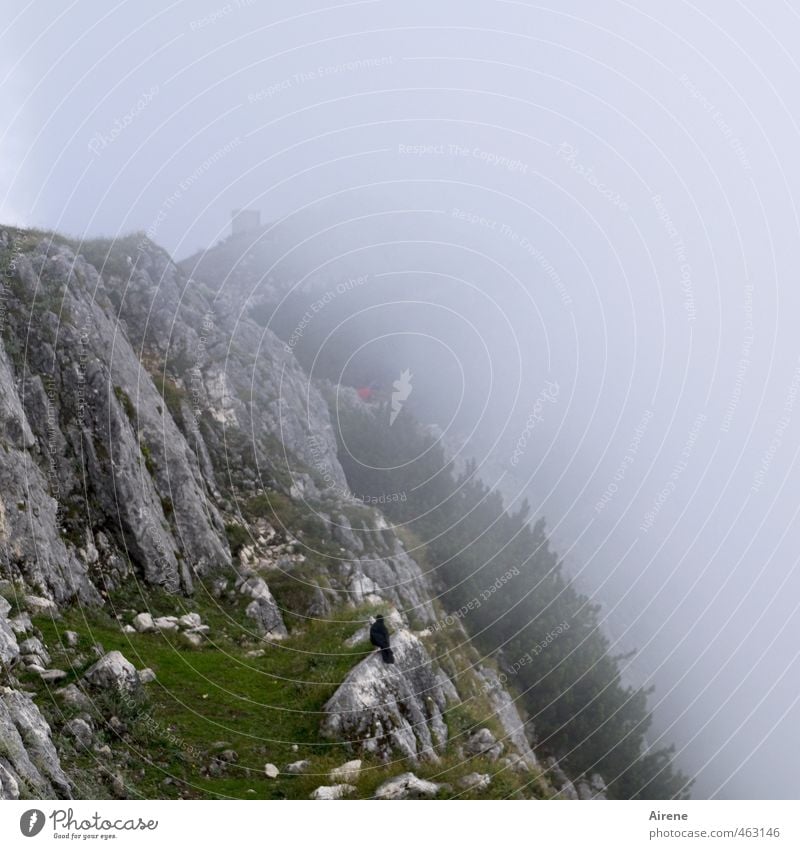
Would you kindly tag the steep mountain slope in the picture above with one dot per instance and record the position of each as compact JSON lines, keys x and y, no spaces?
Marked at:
{"x":172,"y":496}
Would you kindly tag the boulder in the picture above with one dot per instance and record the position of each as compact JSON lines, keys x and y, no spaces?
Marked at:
{"x":70,"y":639}
{"x":263,"y":609}
{"x":297,"y":767}
{"x":166,"y":623}
{"x":482,"y":743}
{"x":147,"y":676}
{"x":80,"y":731}
{"x":39,"y":606}
{"x":594,"y":788}
{"x":9,"y":649}
{"x":73,"y":697}
{"x":113,"y":671}
{"x":380,"y":708}
{"x":347,"y":773}
{"x":475,"y":781}
{"x":191,"y":639}
{"x":335,"y":791}
{"x":52,"y":676}
{"x":143,"y":623}
{"x":515,"y":763}
{"x":407,"y":786}
{"x":271,"y":771}
{"x":190,"y":620}
{"x":34,"y":646}
{"x":21,"y":624}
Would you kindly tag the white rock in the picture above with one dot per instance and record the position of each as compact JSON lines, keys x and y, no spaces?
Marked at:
{"x":113,"y":671}
{"x":70,"y":639}
{"x":475,"y":781}
{"x":337,"y":791}
{"x":143,"y":622}
{"x":407,"y":786}
{"x":73,"y":697}
{"x":271,"y":771}
{"x":38,"y":605}
{"x":9,"y":650}
{"x":194,"y":640}
{"x":166,"y":623}
{"x":34,"y":646}
{"x":190,"y":620}
{"x":347,"y":773}
{"x":21,"y":624}
{"x":483,"y":743}
{"x":52,"y":676}
{"x":147,"y":676}
{"x":407,"y":699}
{"x":297,"y":767}
{"x":80,"y":731}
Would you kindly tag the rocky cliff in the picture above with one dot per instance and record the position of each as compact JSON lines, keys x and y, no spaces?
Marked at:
{"x":171,"y":490}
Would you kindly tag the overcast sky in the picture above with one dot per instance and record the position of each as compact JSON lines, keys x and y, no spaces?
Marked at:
{"x":616,"y":180}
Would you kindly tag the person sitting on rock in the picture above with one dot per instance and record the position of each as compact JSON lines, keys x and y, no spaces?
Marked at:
{"x":379,"y":636}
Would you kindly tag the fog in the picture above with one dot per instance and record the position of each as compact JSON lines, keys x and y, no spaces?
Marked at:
{"x":579,"y":233}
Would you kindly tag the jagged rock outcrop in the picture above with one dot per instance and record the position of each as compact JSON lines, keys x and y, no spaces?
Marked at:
{"x":29,"y":764}
{"x":238,"y":378}
{"x":507,"y":714}
{"x":106,"y":454}
{"x":482,"y":743}
{"x":593,"y":788}
{"x":263,"y":610}
{"x":565,"y":789}
{"x":384,"y":708}
{"x":138,"y":413}
{"x":334,"y":791}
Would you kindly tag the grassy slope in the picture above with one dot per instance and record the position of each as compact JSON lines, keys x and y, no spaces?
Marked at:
{"x":260,"y":707}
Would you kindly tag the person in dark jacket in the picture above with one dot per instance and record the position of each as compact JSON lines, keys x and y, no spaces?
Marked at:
{"x":379,"y":636}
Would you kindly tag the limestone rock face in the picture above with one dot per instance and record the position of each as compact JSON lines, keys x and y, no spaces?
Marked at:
{"x":391,"y":708}
{"x":29,"y":764}
{"x":85,"y":425}
{"x":507,"y":715}
{"x":593,"y":788}
{"x":565,"y":789}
